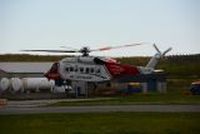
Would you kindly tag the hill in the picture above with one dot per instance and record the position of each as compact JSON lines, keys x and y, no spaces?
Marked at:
{"x":28,"y":58}
{"x":175,"y":66}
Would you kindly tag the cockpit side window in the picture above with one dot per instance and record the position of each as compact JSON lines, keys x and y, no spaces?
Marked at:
{"x":81,"y":69}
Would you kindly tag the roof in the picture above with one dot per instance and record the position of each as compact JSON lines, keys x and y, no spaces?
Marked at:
{"x":2,"y":71}
{"x":25,"y":67}
{"x":196,"y":83}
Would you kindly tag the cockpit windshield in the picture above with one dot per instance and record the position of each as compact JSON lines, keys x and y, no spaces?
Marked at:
{"x":54,"y":67}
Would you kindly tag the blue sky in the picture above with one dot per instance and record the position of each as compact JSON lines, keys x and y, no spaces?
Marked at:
{"x":49,"y":24}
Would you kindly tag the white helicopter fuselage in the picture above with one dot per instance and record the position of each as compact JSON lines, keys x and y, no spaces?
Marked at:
{"x":83,"y":69}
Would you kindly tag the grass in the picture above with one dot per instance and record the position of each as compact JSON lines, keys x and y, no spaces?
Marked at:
{"x":137,"y":99}
{"x":101,"y":123}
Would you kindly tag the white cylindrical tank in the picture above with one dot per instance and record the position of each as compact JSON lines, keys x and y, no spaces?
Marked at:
{"x":16,"y":84}
{"x":37,"y":83}
{"x":4,"y":84}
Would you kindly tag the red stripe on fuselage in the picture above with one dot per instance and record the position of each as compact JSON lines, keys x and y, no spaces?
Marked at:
{"x":117,"y":70}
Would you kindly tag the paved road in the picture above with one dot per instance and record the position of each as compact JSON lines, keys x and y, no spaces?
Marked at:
{"x":86,"y":109}
{"x":45,"y":102}
{"x":39,"y":106}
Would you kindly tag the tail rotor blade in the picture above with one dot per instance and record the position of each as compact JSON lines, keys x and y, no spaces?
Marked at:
{"x":166,"y":51}
{"x":156,"y":48}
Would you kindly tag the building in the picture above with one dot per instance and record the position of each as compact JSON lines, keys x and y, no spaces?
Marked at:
{"x":24,"y":69}
{"x":149,"y":82}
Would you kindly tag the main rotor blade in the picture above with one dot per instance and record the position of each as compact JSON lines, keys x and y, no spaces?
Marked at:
{"x":115,"y":47}
{"x":52,"y":51}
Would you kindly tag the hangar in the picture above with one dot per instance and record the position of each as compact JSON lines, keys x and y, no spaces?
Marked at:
{"x":24,"y":69}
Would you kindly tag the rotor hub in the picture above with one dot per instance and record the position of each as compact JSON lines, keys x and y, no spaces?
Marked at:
{"x":85,"y":51}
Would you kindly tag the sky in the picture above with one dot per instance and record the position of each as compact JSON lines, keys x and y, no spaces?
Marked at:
{"x":50,"y":24}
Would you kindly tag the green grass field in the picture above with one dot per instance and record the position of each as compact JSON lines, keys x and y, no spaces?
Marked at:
{"x":101,"y":123}
{"x":137,"y":99}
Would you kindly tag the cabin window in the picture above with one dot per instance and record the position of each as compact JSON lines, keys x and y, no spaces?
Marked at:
{"x":71,"y":69}
{"x":87,"y":70}
{"x":92,"y":70}
{"x":67,"y":69}
{"x":81,"y":69}
{"x":76,"y":69}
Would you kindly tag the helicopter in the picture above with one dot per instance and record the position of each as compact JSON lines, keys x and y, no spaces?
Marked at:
{"x":95,"y":69}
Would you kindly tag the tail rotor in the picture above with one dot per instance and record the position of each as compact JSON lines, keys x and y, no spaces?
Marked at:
{"x":162,"y":54}
{"x":154,"y":60}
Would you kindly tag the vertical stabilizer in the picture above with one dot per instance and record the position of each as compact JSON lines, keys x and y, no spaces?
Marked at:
{"x":154,"y":60}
